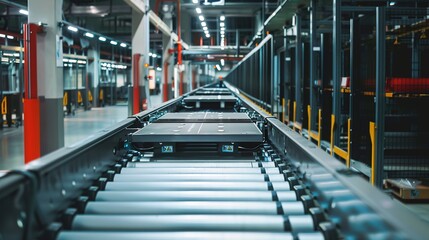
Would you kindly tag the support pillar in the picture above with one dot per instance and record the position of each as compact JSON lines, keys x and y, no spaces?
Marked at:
{"x":298,"y":69}
{"x":380,"y":95}
{"x":49,"y":73}
{"x":94,"y":73}
{"x":168,"y":63}
{"x":140,"y":53}
{"x":313,"y":43}
{"x":336,"y":71}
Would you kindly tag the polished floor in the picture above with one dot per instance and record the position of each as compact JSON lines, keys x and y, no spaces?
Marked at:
{"x":76,"y":128}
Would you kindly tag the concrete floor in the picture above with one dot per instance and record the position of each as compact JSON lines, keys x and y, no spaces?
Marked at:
{"x":76,"y":128}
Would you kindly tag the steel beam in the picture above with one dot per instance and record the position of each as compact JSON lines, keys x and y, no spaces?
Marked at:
{"x":336,"y":70}
{"x":298,"y":68}
{"x":380,"y":96}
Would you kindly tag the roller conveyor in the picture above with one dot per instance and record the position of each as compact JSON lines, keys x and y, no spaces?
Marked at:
{"x":269,"y":187}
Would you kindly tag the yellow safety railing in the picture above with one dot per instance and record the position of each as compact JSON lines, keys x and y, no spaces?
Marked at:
{"x":79,"y":97}
{"x":257,"y":104}
{"x":283,"y":110}
{"x":90,"y":98}
{"x":296,"y":125}
{"x":4,"y":106}
{"x":336,"y":150}
{"x":311,"y":134}
{"x":372,"y":128}
{"x":65,"y":99}
{"x":101,"y":97}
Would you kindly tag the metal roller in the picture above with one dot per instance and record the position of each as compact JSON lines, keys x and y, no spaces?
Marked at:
{"x":194,"y":196}
{"x":197,"y":177}
{"x":256,"y":223}
{"x":197,"y":186}
{"x":311,"y":236}
{"x":187,"y":207}
{"x":201,"y":164}
{"x":91,"y":235}
{"x":302,"y":223}
{"x":127,"y":170}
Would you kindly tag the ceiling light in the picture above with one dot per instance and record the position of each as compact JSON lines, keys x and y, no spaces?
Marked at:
{"x":205,"y":28}
{"x":23,"y":11}
{"x":203,"y":24}
{"x":10,"y":37}
{"x":222,"y":32}
{"x":222,"y":18}
{"x":90,"y":35}
{"x":222,"y":35}
{"x":206,"y":32}
{"x":195,"y":1}
{"x":103,"y":39}
{"x":2,"y":35}
{"x":222,"y":29}
{"x":207,"y":35}
{"x":154,"y":55}
{"x":201,"y":17}
{"x":150,"y":54}
{"x":123,"y":45}
{"x":113,"y":42}
{"x":222,"y":24}
{"x":73,"y":29}
{"x":222,"y":62}
{"x":198,"y":10}
{"x":392,"y":3}
{"x":218,"y":67}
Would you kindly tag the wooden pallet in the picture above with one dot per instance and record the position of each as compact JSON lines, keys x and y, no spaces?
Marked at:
{"x":420,"y":192}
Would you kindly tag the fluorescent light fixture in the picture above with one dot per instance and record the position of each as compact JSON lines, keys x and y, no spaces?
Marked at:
{"x":10,"y":37}
{"x":65,"y":60}
{"x":205,"y":28}
{"x":90,"y":35}
{"x":392,"y":3}
{"x":218,"y":67}
{"x":222,"y":32}
{"x":123,"y":45}
{"x":73,"y":29}
{"x":81,"y":62}
{"x":203,"y":24}
{"x":222,"y":18}
{"x":72,"y":61}
{"x":154,"y":55}
{"x":201,"y":17}
{"x":222,"y":35}
{"x":222,"y":62}
{"x":207,"y":35}
{"x":113,"y":42}
{"x":198,"y":10}
{"x":222,"y":24}
{"x":23,"y":11}
{"x":194,"y":1}
{"x":103,"y":39}
{"x":149,"y":54}
{"x":2,"y":35}
{"x":222,"y":28}
{"x":158,"y":69}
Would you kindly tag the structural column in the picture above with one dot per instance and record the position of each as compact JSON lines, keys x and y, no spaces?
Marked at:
{"x":94,"y":73}
{"x":336,"y":71}
{"x":167,"y":58}
{"x":313,"y":40}
{"x":49,"y":73}
{"x":380,"y":96}
{"x":140,"y":53}
{"x":298,"y":69}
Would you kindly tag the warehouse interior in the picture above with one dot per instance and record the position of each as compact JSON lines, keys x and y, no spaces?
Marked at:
{"x":214,"y":119}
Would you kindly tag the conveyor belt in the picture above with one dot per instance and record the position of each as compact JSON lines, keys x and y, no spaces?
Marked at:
{"x":204,"y":199}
